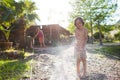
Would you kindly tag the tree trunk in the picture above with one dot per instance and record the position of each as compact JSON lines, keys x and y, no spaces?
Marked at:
{"x":91,"y":32}
{"x":100,"y":33}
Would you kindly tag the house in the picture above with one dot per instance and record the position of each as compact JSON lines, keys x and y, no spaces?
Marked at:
{"x":53,"y":33}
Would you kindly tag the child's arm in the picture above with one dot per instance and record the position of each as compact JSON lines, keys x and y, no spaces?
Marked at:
{"x":85,"y":39}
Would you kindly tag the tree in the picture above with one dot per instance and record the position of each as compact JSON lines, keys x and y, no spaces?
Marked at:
{"x":71,"y":28}
{"x":93,"y":12}
{"x":11,"y":12}
{"x":6,"y":17}
{"x":29,"y":11}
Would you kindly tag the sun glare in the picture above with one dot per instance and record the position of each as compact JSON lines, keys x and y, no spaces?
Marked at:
{"x":53,"y":11}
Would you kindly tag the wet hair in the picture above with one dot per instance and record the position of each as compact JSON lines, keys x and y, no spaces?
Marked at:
{"x":80,"y":19}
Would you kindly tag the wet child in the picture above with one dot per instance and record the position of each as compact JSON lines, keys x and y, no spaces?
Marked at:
{"x":81,"y":34}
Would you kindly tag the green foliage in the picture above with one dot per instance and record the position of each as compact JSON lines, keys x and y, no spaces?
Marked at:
{"x":117,"y":36}
{"x":93,"y":11}
{"x":13,"y":70}
{"x":110,"y":50}
{"x":87,"y":25}
{"x":29,"y":11}
{"x":71,"y":28}
{"x":6,"y":32}
{"x":107,"y":28}
{"x":11,"y":12}
{"x":109,"y":38}
{"x":96,"y":35}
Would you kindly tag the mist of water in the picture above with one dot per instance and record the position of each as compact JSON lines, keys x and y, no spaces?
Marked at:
{"x":64,"y":65}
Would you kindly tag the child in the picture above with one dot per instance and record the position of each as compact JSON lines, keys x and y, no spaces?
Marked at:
{"x":41,"y":38}
{"x":81,"y":40}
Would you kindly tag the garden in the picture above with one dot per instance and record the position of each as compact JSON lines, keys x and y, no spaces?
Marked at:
{"x":18,"y":61}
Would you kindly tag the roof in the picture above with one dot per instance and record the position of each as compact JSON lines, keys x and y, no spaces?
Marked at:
{"x":54,"y":27}
{"x":57,"y":27}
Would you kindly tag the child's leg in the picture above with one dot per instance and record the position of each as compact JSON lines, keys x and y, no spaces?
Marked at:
{"x":40,"y":42}
{"x":84,"y":66}
{"x":78,"y":66}
{"x":43,"y":42}
{"x":43,"y":45}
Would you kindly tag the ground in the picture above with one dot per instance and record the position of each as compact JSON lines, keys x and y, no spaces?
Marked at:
{"x":58,"y":63}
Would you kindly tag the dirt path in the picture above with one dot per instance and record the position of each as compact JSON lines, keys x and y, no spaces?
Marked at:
{"x":58,"y":63}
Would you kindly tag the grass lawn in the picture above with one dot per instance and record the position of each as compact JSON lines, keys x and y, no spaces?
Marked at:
{"x":14,"y":69}
{"x":112,"y":50}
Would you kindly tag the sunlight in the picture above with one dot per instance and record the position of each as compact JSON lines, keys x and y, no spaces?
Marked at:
{"x":53,"y":12}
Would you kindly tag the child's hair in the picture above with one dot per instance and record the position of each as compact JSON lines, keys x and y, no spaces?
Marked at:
{"x":78,"y":18}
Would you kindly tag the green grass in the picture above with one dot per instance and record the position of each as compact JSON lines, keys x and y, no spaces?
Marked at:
{"x":13,"y":69}
{"x":113,"y":50}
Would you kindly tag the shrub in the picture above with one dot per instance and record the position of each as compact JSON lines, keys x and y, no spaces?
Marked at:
{"x":117,"y":35}
{"x":12,"y":55}
{"x":109,"y":38}
{"x":96,"y":35}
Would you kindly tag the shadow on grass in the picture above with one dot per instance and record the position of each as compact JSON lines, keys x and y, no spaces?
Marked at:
{"x":110,"y":51}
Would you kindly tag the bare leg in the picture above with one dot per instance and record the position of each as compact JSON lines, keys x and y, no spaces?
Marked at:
{"x":84,"y":66}
{"x":78,"y":67}
{"x":40,"y":42}
{"x":43,"y":44}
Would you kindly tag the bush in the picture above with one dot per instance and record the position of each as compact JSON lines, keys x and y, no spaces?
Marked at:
{"x":117,"y":36}
{"x":13,"y":69}
{"x":113,"y":50}
{"x":109,"y":38}
{"x":96,"y":35}
{"x":12,"y":55}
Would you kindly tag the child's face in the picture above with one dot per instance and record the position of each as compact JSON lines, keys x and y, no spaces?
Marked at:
{"x":79,"y":24}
